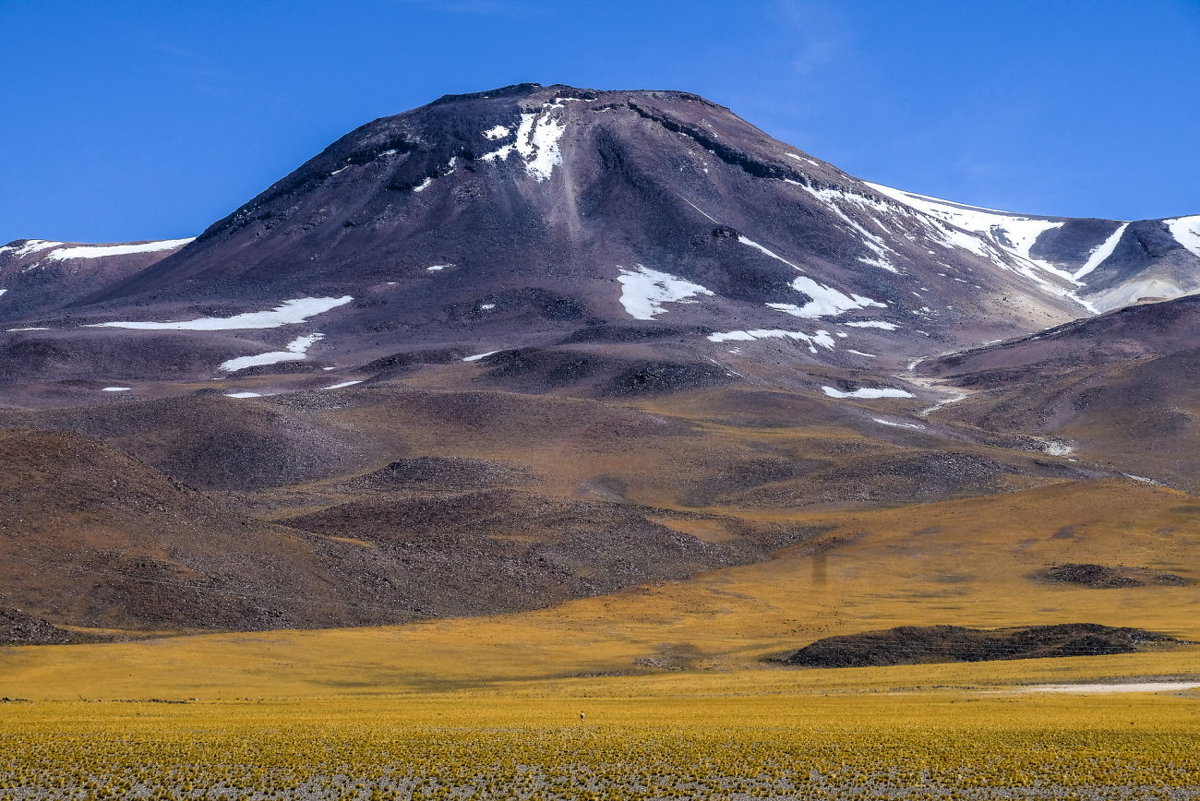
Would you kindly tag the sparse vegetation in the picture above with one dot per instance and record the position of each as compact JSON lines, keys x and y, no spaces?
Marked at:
{"x":496,"y":746}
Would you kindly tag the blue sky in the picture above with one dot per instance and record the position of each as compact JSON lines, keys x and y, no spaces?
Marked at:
{"x":147,"y":120}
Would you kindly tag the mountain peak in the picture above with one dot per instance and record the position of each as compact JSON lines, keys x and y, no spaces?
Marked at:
{"x":561,"y":91}
{"x":512,"y":90}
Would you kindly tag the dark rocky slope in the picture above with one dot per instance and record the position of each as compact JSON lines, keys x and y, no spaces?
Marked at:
{"x":916,"y":645}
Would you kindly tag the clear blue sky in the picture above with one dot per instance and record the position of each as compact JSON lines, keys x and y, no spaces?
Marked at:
{"x":146,"y":120}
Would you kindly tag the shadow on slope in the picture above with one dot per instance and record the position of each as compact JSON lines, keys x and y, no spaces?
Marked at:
{"x":501,"y":550}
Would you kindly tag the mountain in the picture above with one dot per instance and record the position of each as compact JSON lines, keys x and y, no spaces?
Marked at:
{"x":522,"y":346}
{"x":569,"y":205}
{"x":544,"y":217}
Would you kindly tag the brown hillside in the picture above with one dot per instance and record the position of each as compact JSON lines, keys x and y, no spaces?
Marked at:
{"x":93,"y":538}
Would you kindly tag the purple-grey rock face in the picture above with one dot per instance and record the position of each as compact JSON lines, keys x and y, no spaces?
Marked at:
{"x":562,"y":206}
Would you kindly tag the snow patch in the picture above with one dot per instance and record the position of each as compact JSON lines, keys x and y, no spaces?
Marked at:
{"x":1102,"y":252}
{"x":479,"y":356}
{"x":872,"y":324}
{"x":421,"y":187}
{"x":833,"y":200}
{"x":243,"y":394}
{"x":290,"y":312}
{"x":437,"y":268}
{"x":898,"y":424}
{"x":821,"y":338}
{"x":99,"y":251}
{"x":344,"y":384}
{"x":952,"y":396}
{"x":296,"y":351}
{"x":30,"y":246}
{"x":643,"y":291}
{"x":31,"y":328}
{"x":116,"y":389}
{"x":867,"y":392}
{"x":826,"y":301}
{"x":536,"y":143}
{"x":745,"y":240}
{"x":1186,"y":231}
{"x":542,"y":154}
{"x":1056,"y":447}
{"x":497,"y":132}
{"x":702,"y":211}
{"x":1014,"y":232}
{"x":801,"y":158}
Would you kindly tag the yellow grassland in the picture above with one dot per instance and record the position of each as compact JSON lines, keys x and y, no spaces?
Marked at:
{"x":534,"y":745}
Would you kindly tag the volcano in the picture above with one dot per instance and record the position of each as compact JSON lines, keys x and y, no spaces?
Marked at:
{"x":527,"y":216}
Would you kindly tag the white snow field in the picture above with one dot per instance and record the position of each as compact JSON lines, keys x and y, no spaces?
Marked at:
{"x":867,"y":392}
{"x":643,"y":291}
{"x":297,"y":350}
{"x":290,"y":312}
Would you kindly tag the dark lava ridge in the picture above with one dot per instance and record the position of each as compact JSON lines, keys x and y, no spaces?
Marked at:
{"x":1107,"y":577}
{"x":917,"y":645}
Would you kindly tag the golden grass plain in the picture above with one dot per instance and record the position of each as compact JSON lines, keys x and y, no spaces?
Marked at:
{"x":695,"y":741}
